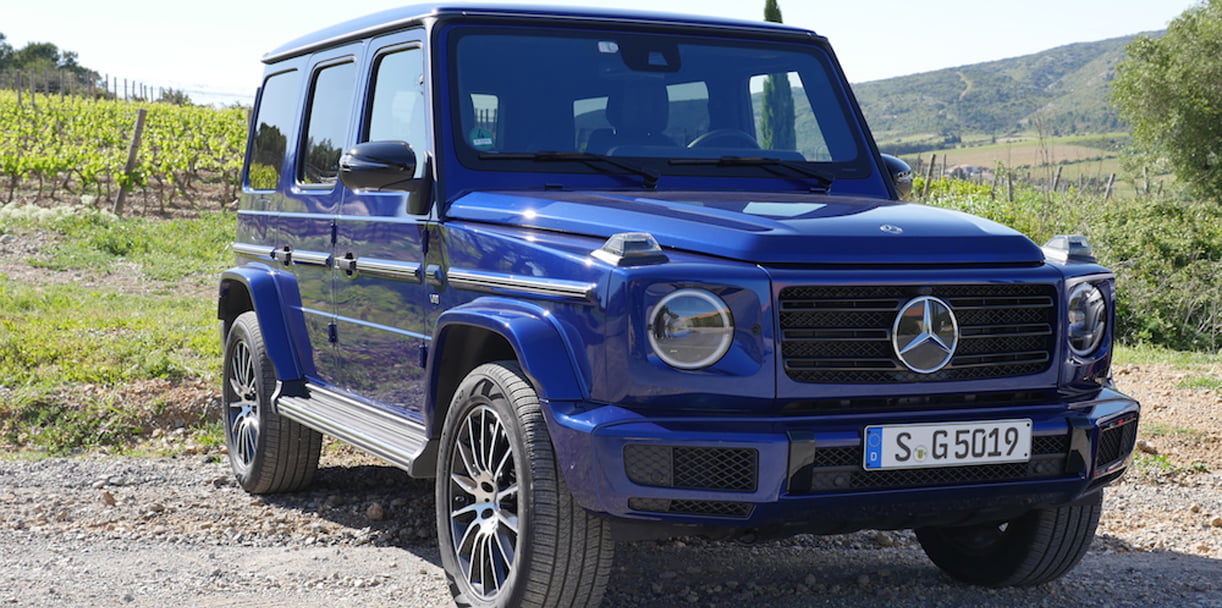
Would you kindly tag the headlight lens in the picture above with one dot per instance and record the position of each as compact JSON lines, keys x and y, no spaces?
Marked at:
{"x":691,"y":329}
{"x":1087,"y":318}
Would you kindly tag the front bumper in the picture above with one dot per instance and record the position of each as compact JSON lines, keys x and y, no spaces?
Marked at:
{"x":805,"y":473}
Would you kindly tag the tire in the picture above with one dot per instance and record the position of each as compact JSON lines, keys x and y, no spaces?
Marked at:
{"x":509,"y":531}
{"x":1029,"y":550}
{"x":268,"y":453}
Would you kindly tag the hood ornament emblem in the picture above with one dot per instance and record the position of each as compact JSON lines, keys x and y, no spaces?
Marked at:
{"x":925,"y":334}
{"x":890,"y":229}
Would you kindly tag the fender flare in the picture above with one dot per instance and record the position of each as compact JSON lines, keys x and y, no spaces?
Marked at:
{"x":276,"y":300}
{"x":543,"y":347}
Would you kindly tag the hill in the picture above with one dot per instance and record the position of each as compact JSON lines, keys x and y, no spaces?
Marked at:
{"x":1061,"y":91}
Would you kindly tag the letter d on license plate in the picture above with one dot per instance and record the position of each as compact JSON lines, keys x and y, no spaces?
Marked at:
{"x":947,"y":444}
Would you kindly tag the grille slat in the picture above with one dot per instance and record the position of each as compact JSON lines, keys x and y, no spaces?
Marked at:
{"x":842,"y":335}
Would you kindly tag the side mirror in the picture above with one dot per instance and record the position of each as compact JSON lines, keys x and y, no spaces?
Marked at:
{"x":900,"y":173}
{"x":379,"y":165}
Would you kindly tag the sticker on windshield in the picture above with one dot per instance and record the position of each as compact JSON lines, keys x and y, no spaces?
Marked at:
{"x":481,"y":138}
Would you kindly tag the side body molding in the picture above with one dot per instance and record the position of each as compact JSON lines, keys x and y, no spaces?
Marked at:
{"x":549,"y":354}
{"x":277,"y":302}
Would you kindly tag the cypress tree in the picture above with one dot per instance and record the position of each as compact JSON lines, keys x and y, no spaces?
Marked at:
{"x":776,"y":114}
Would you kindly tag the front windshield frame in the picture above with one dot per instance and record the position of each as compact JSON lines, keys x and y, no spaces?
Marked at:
{"x":474,"y":138}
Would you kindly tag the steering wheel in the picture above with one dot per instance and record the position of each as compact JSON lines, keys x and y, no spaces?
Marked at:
{"x":724,"y":138}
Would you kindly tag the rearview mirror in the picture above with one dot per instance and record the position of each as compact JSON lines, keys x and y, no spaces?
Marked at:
{"x":900,"y":173}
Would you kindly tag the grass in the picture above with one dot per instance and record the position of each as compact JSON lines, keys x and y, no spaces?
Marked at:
{"x":1145,"y":354}
{"x":1210,"y":383}
{"x":1160,"y":463}
{"x":74,"y":357}
{"x":1159,"y":429}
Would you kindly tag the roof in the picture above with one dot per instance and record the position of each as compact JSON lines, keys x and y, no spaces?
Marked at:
{"x":399,"y":17}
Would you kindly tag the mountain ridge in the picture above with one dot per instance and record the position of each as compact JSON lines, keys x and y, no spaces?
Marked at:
{"x":1060,"y":91}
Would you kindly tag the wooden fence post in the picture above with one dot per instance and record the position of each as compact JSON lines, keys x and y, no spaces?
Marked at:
{"x":1056,"y":181}
{"x":1111,"y":181}
{"x":131,"y":161}
{"x":933,"y":163}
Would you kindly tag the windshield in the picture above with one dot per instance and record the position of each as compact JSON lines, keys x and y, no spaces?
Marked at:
{"x":666,"y":99}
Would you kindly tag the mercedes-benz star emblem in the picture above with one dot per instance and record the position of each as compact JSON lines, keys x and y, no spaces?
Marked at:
{"x":925,"y":334}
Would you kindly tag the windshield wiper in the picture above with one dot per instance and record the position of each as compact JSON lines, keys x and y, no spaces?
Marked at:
{"x":775,"y":166}
{"x":649,"y":176}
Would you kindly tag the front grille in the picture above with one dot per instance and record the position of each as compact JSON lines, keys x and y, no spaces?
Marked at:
{"x":842,"y":335}
{"x":706,"y":508}
{"x":692,"y":468}
{"x":840,"y":469}
{"x":1116,"y":441}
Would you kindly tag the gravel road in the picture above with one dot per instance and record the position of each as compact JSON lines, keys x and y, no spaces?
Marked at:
{"x":121,"y":531}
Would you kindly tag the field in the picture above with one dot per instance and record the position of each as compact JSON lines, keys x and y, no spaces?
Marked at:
{"x":1086,"y":161}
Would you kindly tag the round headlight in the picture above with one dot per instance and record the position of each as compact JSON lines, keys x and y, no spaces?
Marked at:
{"x":1087,"y":318}
{"x":691,"y":329}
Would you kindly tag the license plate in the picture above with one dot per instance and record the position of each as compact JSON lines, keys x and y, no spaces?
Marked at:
{"x":947,"y":444}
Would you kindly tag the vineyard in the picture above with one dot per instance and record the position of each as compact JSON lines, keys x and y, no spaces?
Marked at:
{"x":54,"y":148}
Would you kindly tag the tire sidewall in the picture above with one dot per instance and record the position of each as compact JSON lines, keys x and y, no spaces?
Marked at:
{"x":469,"y":396}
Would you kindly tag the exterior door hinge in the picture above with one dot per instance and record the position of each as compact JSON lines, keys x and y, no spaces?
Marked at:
{"x":332,"y":333}
{"x":424,"y":355}
{"x":334,"y":232}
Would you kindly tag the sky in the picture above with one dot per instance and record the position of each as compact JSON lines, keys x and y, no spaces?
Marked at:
{"x":212,"y":49}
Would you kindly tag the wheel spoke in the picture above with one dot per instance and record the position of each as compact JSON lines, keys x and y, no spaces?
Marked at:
{"x":507,"y":492}
{"x":467,"y":510}
{"x":508,"y":521}
{"x":464,"y":482}
{"x":504,"y":546}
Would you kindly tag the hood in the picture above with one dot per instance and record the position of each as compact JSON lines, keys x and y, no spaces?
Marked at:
{"x":765,"y":228}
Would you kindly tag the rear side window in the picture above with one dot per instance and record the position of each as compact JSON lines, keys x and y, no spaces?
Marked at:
{"x":397,"y":112}
{"x":277,"y":107}
{"x":327,"y":125}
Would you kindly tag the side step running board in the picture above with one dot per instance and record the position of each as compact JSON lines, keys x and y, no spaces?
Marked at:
{"x":394,"y":438}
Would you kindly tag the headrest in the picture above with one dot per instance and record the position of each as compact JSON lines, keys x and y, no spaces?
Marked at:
{"x":640,"y":106}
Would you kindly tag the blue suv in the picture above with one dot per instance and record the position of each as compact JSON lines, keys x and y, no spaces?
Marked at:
{"x":612,"y":276}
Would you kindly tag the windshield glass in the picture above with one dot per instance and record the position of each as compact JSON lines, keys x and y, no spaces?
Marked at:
{"x":660,"y":98}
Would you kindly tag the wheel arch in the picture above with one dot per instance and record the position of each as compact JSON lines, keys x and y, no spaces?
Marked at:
{"x":276,"y":301}
{"x":497,"y":329}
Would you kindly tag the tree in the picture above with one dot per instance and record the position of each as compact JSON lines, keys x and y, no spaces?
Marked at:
{"x":1170,"y":92}
{"x":6,"y":52}
{"x":776,"y":114}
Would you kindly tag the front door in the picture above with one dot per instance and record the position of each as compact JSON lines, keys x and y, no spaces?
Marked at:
{"x":380,"y":299}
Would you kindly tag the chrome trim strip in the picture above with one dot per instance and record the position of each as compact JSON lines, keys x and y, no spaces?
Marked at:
{"x":388,"y":269}
{"x":255,"y":251}
{"x":311,"y":258}
{"x":497,"y":282}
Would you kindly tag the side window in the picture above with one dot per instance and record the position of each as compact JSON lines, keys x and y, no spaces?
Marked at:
{"x":397,"y":110}
{"x":327,"y":125}
{"x":273,"y":121}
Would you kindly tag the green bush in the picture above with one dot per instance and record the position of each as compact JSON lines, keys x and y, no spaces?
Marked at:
{"x":1167,"y":254}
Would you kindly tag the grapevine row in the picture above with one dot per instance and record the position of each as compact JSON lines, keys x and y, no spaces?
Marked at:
{"x":53,"y":146}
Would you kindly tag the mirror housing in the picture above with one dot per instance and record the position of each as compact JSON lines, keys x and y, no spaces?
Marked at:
{"x":379,"y":165}
{"x":900,"y":173}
